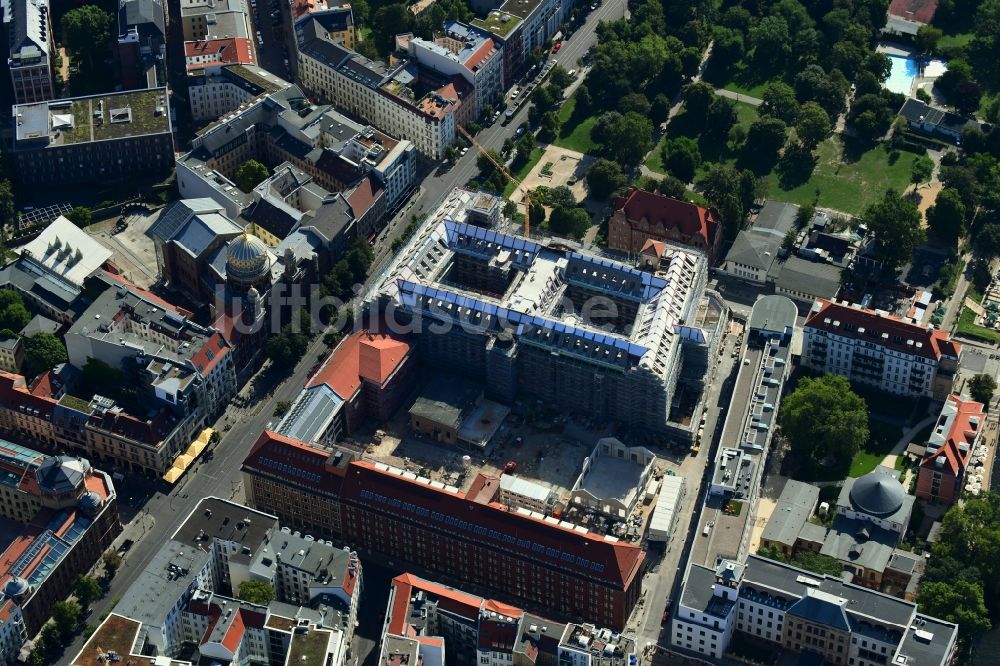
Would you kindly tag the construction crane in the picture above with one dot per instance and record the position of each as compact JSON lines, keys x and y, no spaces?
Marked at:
{"x":502,"y":168}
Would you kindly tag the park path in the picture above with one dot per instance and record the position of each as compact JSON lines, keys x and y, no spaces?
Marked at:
{"x":904,"y":441}
{"x":739,"y":97}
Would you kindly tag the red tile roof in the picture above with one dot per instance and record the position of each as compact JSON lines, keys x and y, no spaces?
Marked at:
{"x":14,"y":393}
{"x":234,"y":635}
{"x":448,"y":598}
{"x":230,"y":51}
{"x":276,"y":455}
{"x":364,"y":195}
{"x":658,"y":210}
{"x":962,"y":431}
{"x":362,"y":355}
{"x":213,"y":351}
{"x":882,"y":329}
{"x":653,"y":248}
{"x":921,"y":11}
{"x":588,"y":555}
{"x":477,"y":58}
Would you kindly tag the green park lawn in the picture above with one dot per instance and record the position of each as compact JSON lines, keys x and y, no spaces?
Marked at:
{"x":843,"y":182}
{"x":881,"y":440}
{"x":574,"y":132}
{"x":952,"y":41}
{"x":520,"y":174}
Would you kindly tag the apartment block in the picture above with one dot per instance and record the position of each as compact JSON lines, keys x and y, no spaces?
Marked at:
{"x":184,"y":601}
{"x":337,"y":22}
{"x":101,"y":138}
{"x":220,"y":82}
{"x":466,"y":51}
{"x":176,"y":363}
{"x":31,"y":48}
{"x":393,"y":99}
{"x":797,"y":612}
{"x":214,"y":19}
{"x":876,"y":349}
{"x":955,"y":452}
{"x":522,"y":26}
{"x":70,"y":514}
{"x":432,"y":624}
{"x":142,"y":44}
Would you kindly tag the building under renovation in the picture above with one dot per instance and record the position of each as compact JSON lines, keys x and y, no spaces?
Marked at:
{"x":540,"y":320}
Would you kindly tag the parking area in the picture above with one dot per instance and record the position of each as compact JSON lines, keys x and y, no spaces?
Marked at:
{"x":132,"y":249}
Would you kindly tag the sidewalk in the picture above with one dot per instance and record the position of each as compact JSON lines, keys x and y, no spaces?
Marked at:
{"x":904,"y":441}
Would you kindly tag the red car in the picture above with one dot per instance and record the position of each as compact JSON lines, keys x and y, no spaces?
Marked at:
{"x":555,"y":49}
{"x":666,"y":616}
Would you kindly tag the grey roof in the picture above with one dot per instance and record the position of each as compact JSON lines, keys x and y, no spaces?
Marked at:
{"x":220,"y":519}
{"x":31,"y":278}
{"x":876,"y":493}
{"x":903,"y":561}
{"x":173,"y":218}
{"x":146,"y":15}
{"x":812,"y":533}
{"x":28,"y":38}
{"x":916,"y":111}
{"x":773,"y":313}
{"x":336,"y":19}
{"x":796,"y":504}
{"x":169,"y":575}
{"x":929,"y":641}
{"x":39,"y":324}
{"x":860,"y":543}
{"x":758,"y":246}
{"x":862,"y":602}
{"x":61,"y":474}
{"x":776,"y":216}
{"x":822,"y":608}
{"x":697,"y":591}
{"x":311,"y":413}
{"x":202,"y":230}
{"x":817,"y":279}
{"x":445,"y":398}
{"x":326,"y":52}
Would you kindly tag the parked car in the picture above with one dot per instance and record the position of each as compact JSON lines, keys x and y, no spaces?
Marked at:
{"x":555,"y":49}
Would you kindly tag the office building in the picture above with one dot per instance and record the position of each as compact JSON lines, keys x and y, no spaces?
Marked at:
{"x":798,"y":612}
{"x":183,"y":602}
{"x":641,"y":216}
{"x":101,"y":138}
{"x":518,"y":554}
{"x":879,"y":350}
{"x":70,"y":516}
{"x":31,"y":50}
{"x":516,"y":317}
{"x":953,"y":450}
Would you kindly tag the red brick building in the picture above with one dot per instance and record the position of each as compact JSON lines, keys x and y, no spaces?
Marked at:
{"x":957,"y":432}
{"x":542,"y":565}
{"x":640,"y":216}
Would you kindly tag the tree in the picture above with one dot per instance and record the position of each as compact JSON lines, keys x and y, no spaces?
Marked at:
{"x":959,"y":601}
{"x":43,"y":351}
{"x":698,"y":97}
{"x":820,"y":564}
{"x":560,"y":78}
{"x":660,"y":109}
{"x":982,"y":387}
{"x":550,"y":124}
{"x":895,"y":223}
{"x":281,"y":407}
{"x":771,"y":42}
{"x":605,"y":178}
{"x":812,"y":125}
{"x":256,"y":592}
{"x":624,"y":138}
{"x":927,"y":38}
{"x":672,"y":187}
{"x":966,"y":97}
{"x":569,"y":221}
{"x":724,"y":187}
{"x":536,"y":214}
{"x":779,"y":101}
{"x":250,"y":174}
{"x":86,"y":590}
{"x":823,"y":418}
{"x":88,"y":31}
{"x":635,"y":102}
{"x":66,"y":616}
{"x":15,"y":316}
{"x":722,"y":117}
{"x":80,"y":216}
{"x":390,"y":21}
{"x":765,"y":138}
{"x":946,"y":217}
{"x":682,"y":158}
{"x":112,"y":561}
{"x":921,"y":170}
{"x":7,"y":208}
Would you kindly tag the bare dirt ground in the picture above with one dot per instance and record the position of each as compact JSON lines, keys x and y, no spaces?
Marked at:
{"x":928,"y":193}
{"x":565,"y":166}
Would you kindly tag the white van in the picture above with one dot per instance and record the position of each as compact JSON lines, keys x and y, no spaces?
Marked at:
{"x":572,"y":73}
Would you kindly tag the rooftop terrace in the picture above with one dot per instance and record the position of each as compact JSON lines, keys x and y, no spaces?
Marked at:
{"x":116,"y":634}
{"x":499,"y":23}
{"x":309,"y":647}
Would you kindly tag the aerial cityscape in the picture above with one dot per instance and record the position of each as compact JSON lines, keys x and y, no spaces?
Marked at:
{"x":500,"y":333}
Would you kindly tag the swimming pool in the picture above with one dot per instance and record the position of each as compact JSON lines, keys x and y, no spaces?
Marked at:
{"x":904,"y":70}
